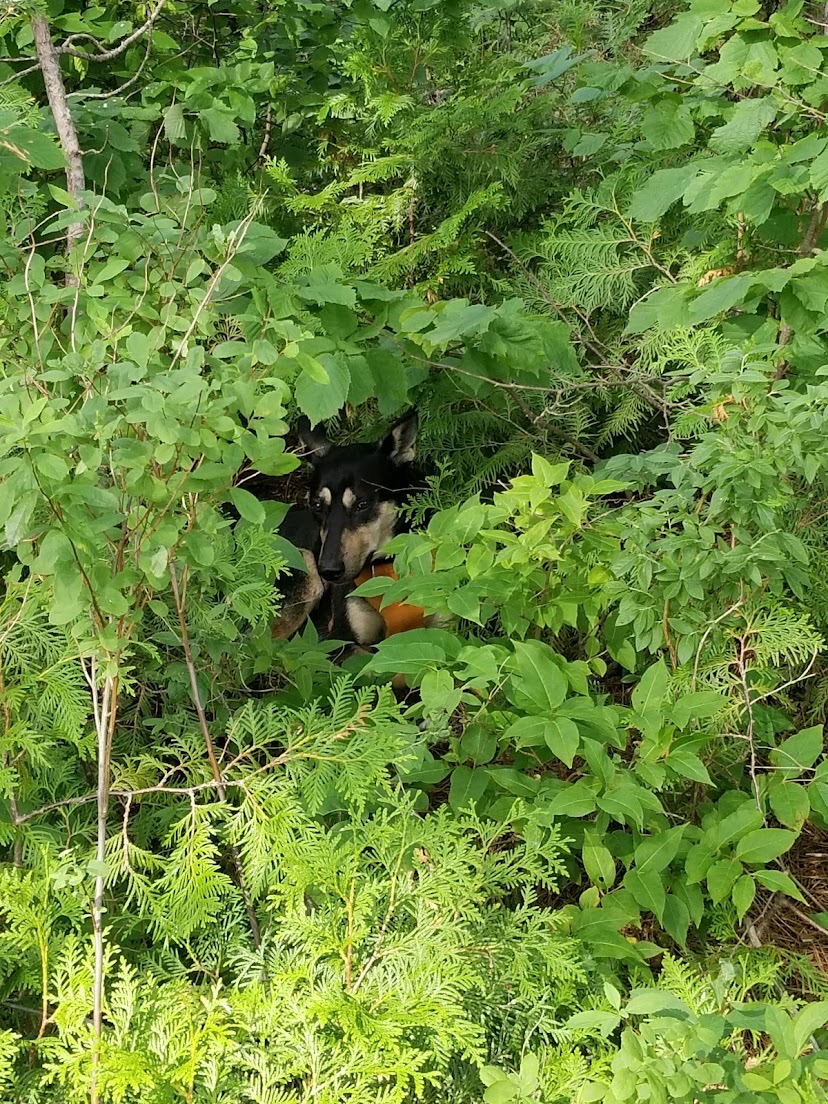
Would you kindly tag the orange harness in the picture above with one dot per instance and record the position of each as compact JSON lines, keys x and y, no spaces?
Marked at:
{"x":398,"y":617}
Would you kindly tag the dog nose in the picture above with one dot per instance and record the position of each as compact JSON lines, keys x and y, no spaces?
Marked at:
{"x":332,"y":574}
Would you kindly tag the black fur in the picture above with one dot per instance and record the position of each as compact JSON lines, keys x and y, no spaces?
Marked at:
{"x":354,"y":501}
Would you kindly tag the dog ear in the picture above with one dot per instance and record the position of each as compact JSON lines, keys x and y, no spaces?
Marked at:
{"x":314,"y":443}
{"x":400,"y":442}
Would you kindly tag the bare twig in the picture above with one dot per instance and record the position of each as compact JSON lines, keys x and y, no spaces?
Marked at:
{"x":266,"y":138}
{"x":65,"y":125}
{"x":127,"y":84}
{"x":124,"y":44}
{"x":18,"y":76}
{"x":208,"y":743}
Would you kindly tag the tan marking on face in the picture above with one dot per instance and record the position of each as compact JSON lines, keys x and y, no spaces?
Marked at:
{"x":365,"y":622}
{"x":324,"y":495}
{"x":348,"y":498}
{"x":360,"y":543}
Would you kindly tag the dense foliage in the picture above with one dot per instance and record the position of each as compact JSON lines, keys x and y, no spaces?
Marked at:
{"x":587,"y":241}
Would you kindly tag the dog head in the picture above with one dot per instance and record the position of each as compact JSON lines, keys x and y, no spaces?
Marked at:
{"x":356,"y":492}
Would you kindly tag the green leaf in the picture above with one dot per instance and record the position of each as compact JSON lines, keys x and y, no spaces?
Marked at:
{"x":562,"y":738}
{"x":598,"y":861}
{"x":697,"y":706}
{"x":648,"y":696}
{"x":657,"y":852}
{"x":676,"y":919}
{"x":800,"y":751}
{"x":650,"y":1002}
{"x":764,"y":845}
{"x":538,"y":678}
{"x":174,"y":125}
{"x":777,"y":881}
{"x":723,"y":294}
{"x":248,"y":505}
{"x":667,"y":126}
{"x":51,"y":466}
{"x":748,"y":118}
{"x":467,"y":787}
{"x":221,"y":126}
{"x":743,"y":893}
{"x":648,"y":890}
{"x":735,"y":825}
{"x":721,"y":878}
{"x":322,"y":285}
{"x":37,"y":148}
{"x":688,"y":765}
{"x":594,"y":1020}
{"x":663,"y":309}
{"x":320,"y":401}
{"x":660,"y":192}
{"x":790,"y":804}
{"x":809,"y":1019}
{"x":576,"y":799}
{"x":676,"y":42}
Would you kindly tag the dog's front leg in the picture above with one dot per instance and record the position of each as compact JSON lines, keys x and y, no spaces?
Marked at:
{"x":301,"y":597}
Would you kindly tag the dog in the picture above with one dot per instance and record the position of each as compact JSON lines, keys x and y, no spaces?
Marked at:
{"x":354,"y":509}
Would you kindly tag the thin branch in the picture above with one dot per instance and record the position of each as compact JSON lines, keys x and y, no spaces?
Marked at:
{"x":108,"y":55}
{"x":266,"y":138}
{"x":128,"y":84}
{"x":18,"y":76}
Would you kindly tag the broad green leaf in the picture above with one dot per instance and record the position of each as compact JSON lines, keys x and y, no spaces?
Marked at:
{"x":779,"y":882}
{"x":598,"y":861}
{"x":676,"y":42}
{"x":676,"y":919}
{"x":697,"y":706}
{"x":688,"y":765}
{"x":790,"y":804}
{"x":562,"y":738}
{"x":648,"y":890}
{"x":467,"y":787}
{"x":800,"y":751}
{"x":576,"y":799}
{"x":764,"y":845}
{"x":594,"y":1020}
{"x":174,"y":125}
{"x":320,"y":401}
{"x":663,"y":309}
{"x":538,"y":678}
{"x":650,"y":1002}
{"x":247,"y":504}
{"x":648,"y":696}
{"x":657,"y":852}
{"x":748,"y":118}
{"x":721,"y":878}
{"x":808,"y":1020}
{"x":667,"y":126}
{"x":737,"y":824}
{"x":743,"y":893}
{"x":660,"y":192}
{"x":723,"y":294}
{"x":221,"y":126}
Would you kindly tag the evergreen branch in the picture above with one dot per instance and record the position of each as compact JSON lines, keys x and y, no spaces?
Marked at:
{"x":208,"y":743}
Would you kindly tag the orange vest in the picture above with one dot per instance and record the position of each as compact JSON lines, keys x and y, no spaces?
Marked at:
{"x":398,"y":617}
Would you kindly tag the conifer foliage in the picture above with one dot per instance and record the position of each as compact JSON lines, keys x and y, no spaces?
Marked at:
{"x":587,"y":241}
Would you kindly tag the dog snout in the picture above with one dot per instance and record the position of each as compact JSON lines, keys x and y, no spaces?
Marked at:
{"x":332,"y":573}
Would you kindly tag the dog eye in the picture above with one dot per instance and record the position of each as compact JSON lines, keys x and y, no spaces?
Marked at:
{"x":316,"y":505}
{"x":362,"y":505}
